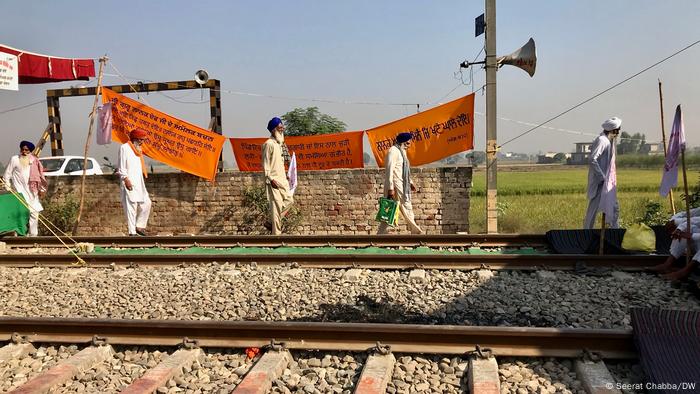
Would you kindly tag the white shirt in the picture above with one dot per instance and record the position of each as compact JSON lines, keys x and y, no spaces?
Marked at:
{"x":273,"y":165}
{"x":599,"y":161}
{"x":130,"y":167}
{"x":18,"y":176}
{"x":393,"y":178}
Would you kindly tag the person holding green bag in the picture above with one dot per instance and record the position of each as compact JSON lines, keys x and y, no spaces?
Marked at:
{"x":397,"y":182}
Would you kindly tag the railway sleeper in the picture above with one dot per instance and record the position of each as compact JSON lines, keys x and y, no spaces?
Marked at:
{"x":279,"y":371}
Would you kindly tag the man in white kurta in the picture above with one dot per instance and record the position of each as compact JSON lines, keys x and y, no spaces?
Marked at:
{"x":276,"y":184}
{"x":600,"y":163}
{"x":132,"y":170}
{"x":677,"y":226}
{"x":17,"y":176}
{"x":397,"y":182}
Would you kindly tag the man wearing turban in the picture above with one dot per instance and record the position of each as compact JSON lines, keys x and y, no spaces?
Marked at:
{"x":276,"y":183}
{"x":132,"y":171}
{"x":25,"y":174}
{"x":397,"y":182}
{"x":602,"y":176}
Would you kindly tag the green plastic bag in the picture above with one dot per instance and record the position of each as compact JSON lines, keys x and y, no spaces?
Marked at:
{"x":388,"y":211}
{"x":639,"y":237}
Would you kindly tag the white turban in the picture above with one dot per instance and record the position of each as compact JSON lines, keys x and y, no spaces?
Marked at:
{"x":612,"y":124}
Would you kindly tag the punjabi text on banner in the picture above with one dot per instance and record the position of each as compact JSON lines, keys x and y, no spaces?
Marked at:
{"x":437,"y":133}
{"x":172,"y":141}
{"x":9,"y":72}
{"x":314,"y":152}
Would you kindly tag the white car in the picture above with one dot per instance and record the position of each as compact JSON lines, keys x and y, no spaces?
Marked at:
{"x":69,"y":165}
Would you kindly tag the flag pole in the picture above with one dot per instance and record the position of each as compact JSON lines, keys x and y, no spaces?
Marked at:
{"x":103,"y":61}
{"x":688,"y":255}
{"x":601,"y":247}
{"x":663,"y":138}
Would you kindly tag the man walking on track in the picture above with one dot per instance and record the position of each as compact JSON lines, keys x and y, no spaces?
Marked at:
{"x":132,"y":171}
{"x":397,"y":182}
{"x":276,"y":183}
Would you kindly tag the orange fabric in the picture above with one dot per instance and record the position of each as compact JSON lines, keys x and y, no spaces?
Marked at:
{"x":314,"y":152}
{"x":140,"y":155}
{"x":437,"y":133}
{"x":170,"y":140}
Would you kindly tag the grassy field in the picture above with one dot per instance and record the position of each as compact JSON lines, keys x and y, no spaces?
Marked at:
{"x":538,"y":201}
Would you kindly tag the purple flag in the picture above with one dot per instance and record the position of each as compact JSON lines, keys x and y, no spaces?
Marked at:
{"x":104,"y":124}
{"x":676,"y":144}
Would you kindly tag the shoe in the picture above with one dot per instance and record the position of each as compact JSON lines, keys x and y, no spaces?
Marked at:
{"x":142,"y":232}
{"x":268,"y":225}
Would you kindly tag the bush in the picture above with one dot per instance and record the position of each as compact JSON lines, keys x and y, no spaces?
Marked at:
{"x":654,"y":214}
{"x":653,"y":161}
{"x":256,"y":210}
{"x":62,"y":213}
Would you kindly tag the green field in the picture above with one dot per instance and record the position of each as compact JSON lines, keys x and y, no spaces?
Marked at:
{"x":538,"y":201}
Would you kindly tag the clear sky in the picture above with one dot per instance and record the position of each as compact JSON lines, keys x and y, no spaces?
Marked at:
{"x":387,"y":51}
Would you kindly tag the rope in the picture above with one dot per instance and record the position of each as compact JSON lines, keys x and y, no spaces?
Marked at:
{"x":47,"y":223}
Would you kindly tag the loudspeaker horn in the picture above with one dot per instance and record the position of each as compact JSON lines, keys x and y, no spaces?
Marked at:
{"x":201,"y":77}
{"x":524,"y":58}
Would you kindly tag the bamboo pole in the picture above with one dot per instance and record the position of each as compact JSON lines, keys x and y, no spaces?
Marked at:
{"x":688,"y":254}
{"x":103,"y":60}
{"x":601,"y":247}
{"x":663,"y":138}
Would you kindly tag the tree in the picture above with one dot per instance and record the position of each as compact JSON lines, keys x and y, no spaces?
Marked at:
{"x":560,"y":157}
{"x":310,"y":121}
{"x":631,"y":144}
{"x":450,"y":160}
{"x":366,"y":158}
{"x":477,"y":157}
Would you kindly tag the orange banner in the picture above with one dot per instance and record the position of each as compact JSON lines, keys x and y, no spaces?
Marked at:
{"x":172,"y":141}
{"x":437,"y":133}
{"x":314,"y":152}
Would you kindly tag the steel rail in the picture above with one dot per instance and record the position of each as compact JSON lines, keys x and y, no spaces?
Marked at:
{"x":220,"y":241}
{"x":368,"y":261}
{"x":503,"y":341}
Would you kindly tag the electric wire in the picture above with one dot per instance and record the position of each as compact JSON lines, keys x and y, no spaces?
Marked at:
{"x":599,"y":94}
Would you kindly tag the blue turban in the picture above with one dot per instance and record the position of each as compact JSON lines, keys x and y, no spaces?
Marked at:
{"x":27,"y":144}
{"x":273,"y":123}
{"x":403,"y":137}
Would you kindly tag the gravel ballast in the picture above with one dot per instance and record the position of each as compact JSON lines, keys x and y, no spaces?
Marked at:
{"x":247,"y":292}
{"x":541,"y":376}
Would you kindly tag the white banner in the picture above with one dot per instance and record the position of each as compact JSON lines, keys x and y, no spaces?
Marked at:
{"x":9,"y":72}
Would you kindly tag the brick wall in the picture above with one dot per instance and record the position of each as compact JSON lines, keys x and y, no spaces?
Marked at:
{"x":330,"y":202}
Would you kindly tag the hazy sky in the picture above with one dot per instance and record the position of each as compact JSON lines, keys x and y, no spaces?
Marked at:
{"x":386,"y":51}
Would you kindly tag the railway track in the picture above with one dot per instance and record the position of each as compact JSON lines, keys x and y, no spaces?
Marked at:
{"x":370,"y":367}
{"x":405,"y":338}
{"x":348,"y":260}
{"x":220,"y":241}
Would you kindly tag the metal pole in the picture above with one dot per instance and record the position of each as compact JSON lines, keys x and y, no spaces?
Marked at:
{"x":491,"y":68}
{"x":663,"y":138}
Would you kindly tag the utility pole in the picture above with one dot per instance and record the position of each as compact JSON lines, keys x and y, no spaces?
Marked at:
{"x":491,"y":144}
